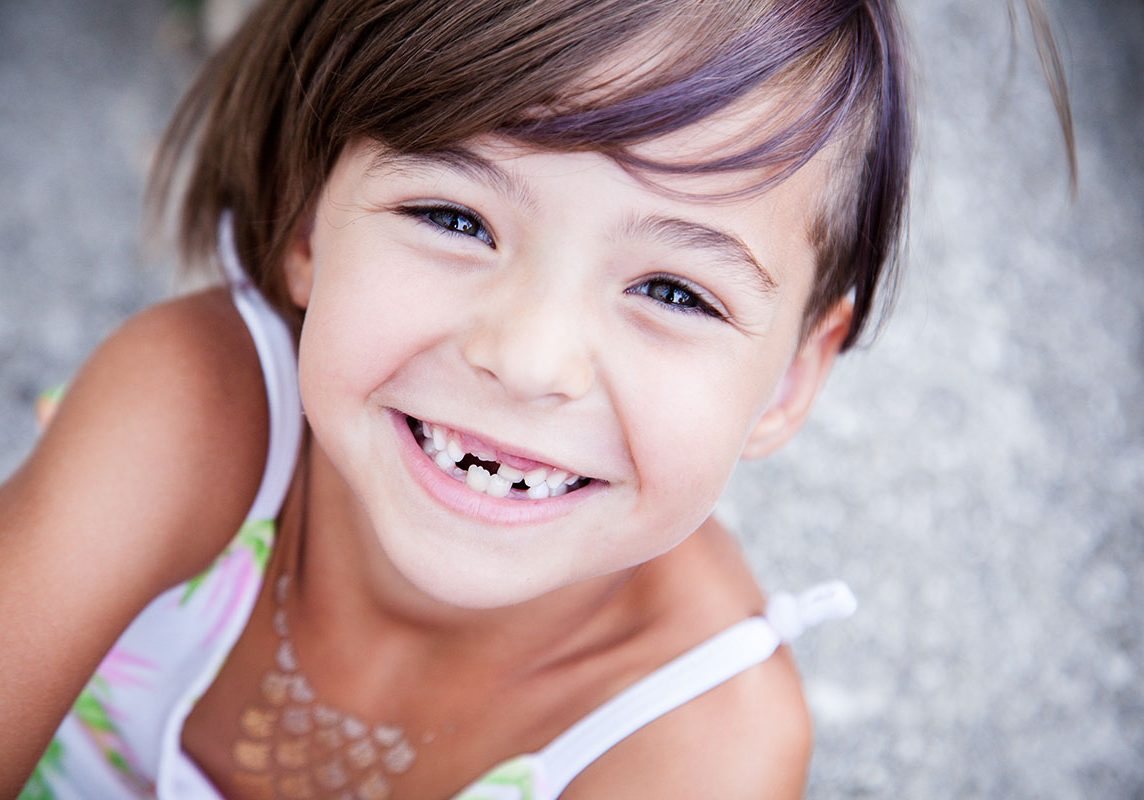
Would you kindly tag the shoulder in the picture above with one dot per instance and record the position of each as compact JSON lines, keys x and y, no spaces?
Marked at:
{"x":144,"y":472}
{"x":161,"y":437}
{"x":750,"y":737}
{"x":747,"y":739}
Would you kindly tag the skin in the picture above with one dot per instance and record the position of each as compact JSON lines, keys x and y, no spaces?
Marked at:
{"x":503,"y":634}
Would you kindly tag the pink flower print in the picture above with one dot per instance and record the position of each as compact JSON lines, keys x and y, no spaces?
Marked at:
{"x":234,"y":574}
{"x":123,"y":668}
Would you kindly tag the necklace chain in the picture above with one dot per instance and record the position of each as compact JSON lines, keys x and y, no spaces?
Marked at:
{"x":295,"y":746}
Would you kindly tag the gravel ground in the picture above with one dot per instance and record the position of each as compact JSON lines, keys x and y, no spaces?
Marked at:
{"x":971,"y":474}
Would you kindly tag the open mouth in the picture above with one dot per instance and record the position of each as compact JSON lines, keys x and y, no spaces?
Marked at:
{"x":485,"y":470}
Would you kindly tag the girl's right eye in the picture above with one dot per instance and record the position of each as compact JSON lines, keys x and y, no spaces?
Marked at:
{"x":453,"y":221}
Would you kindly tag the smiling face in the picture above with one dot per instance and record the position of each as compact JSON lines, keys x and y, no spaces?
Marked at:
{"x":549,"y":316}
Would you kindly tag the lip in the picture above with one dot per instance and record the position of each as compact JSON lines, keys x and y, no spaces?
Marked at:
{"x":459,"y":498}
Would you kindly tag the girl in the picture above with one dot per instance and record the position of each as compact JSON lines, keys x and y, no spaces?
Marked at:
{"x":551,"y":268}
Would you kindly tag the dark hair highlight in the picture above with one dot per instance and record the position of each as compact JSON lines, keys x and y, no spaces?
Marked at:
{"x":273,"y":109}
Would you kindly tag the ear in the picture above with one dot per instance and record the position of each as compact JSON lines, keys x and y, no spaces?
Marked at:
{"x":805,"y":376}
{"x":299,"y":262}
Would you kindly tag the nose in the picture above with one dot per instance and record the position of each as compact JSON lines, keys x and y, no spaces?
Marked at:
{"x":535,"y":347}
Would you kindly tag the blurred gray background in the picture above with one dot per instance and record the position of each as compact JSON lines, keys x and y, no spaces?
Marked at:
{"x":975,"y":475}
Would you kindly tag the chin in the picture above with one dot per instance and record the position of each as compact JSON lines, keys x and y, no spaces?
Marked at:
{"x":472,"y":593}
{"x":466,"y":582}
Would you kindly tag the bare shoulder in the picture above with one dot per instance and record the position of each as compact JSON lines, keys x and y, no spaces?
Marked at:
{"x":161,"y":435}
{"x":748,"y":739}
{"x":144,"y":473}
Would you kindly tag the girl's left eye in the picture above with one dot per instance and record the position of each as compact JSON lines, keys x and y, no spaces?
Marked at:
{"x":453,"y":220}
{"x":677,"y":295}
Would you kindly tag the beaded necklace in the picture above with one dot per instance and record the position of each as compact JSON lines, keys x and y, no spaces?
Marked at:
{"x":295,"y":746}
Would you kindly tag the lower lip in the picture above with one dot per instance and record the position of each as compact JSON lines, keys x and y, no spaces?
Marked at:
{"x":458,"y":497}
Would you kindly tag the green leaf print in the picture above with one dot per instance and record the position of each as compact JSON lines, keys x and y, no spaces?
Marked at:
{"x":55,"y":393}
{"x":256,"y":535}
{"x":194,"y":583}
{"x":53,"y":757}
{"x":116,"y":759}
{"x":516,"y":774}
{"x":92,"y":713}
{"x":37,"y":786}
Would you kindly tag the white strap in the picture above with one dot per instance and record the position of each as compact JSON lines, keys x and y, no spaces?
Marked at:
{"x":275,"y":345}
{"x":713,"y":662}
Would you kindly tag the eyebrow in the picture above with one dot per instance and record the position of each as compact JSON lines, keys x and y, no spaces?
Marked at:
{"x":728,"y":249}
{"x":461,"y":160}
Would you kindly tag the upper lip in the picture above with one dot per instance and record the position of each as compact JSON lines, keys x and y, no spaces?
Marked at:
{"x":500,"y":445}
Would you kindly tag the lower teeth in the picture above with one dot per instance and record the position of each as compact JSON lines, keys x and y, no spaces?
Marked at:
{"x":489,"y":483}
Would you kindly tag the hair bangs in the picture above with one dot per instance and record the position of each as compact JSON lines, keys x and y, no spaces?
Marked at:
{"x":301,"y":80}
{"x":787,"y":70}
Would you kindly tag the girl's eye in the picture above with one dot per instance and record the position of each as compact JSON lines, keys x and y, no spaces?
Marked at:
{"x":676,"y":295}
{"x":451,"y":220}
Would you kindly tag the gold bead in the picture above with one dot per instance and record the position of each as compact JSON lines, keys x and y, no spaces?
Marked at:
{"x":296,"y":786}
{"x":257,"y":722}
{"x":254,"y":787}
{"x":253,"y":756}
{"x":293,"y":753}
{"x":331,"y":775}
{"x":328,"y":738}
{"x":361,"y":754}
{"x":274,"y":688}
{"x":400,"y":758}
{"x":374,"y":787}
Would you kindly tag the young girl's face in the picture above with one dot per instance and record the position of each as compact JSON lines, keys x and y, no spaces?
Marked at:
{"x":545,"y":311}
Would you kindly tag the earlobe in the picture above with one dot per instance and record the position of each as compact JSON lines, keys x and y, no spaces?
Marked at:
{"x":801,"y":384}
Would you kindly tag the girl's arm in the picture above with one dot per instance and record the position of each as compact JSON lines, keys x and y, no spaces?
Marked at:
{"x":143,"y":476}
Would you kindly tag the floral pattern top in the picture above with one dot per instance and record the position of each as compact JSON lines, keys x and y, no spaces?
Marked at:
{"x":122,"y":736}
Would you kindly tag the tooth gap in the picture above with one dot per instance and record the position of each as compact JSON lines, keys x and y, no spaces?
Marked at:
{"x":518,"y":489}
{"x":470,"y":459}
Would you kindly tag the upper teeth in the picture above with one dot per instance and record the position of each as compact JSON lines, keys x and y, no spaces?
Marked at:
{"x":444,"y":447}
{"x":510,"y":474}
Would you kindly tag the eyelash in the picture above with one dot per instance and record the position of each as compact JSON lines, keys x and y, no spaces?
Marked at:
{"x":426,"y":215}
{"x":699,"y":304}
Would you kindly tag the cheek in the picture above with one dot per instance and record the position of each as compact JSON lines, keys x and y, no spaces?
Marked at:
{"x":687,"y":442}
{"x":370,"y":311}
{"x":354,"y":339}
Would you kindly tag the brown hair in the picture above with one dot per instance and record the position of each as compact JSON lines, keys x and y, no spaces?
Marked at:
{"x":273,"y":109}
